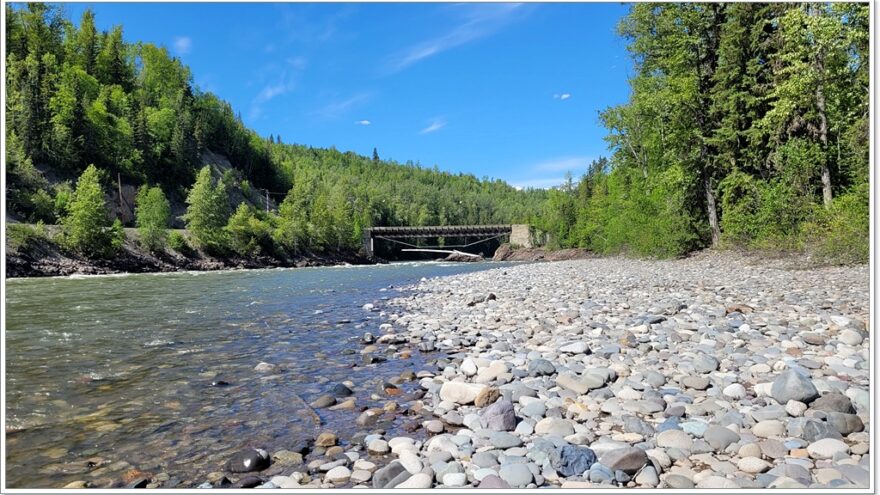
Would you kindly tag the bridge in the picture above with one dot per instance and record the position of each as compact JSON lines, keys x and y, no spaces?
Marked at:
{"x":518,"y":233}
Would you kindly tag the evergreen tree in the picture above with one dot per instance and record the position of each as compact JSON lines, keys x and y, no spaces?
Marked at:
{"x":87,"y":227}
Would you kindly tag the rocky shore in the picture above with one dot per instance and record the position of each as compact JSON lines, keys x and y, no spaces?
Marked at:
{"x":714,"y":371}
{"x":45,"y":258}
{"x":709,"y":372}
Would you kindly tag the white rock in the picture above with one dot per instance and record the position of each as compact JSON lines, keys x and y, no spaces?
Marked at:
{"x":460,"y":392}
{"x":770,"y":428}
{"x":468,"y":367}
{"x":418,"y":481}
{"x":826,"y":448}
{"x":734,"y":391}
{"x":795,"y":408}
{"x":410,"y":462}
{"x":361,"y":476}
{"x":850,"y":337}
{"x":574,"y":348}
{"x":339,"y":474}
{"x":454,"y":479}
{"x":627,"y":393}
{"x":752,"y":465}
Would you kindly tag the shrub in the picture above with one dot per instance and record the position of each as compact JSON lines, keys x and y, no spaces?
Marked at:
{"x":63,"y":195}
{"x":152,"y":211}
{"x":248,"y":234}
{"x":21,"y":236}
{"x":87,"y":227}
{"x":177,"y":242}
{"x":840,"y":235}
{"x":43,"y":206}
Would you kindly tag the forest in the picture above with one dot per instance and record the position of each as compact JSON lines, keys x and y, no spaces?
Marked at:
{"x":747,"y":126}
{"x":78,"y":97}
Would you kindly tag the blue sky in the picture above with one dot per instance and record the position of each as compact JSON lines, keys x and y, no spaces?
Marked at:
{"x":508,"y":91}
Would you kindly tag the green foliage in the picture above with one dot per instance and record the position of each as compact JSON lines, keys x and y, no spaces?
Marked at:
{"x":43,"y":206}
{"x":841,"y":234}
{"x":63,"y":196}
{"x":207,"y":212}
{"x":23,"y":236}
{"x":152,"y":211}
{"x":87,"y":227}
{"x":744,"y":120}
{"x":249,"y":235}
{"x":177,"y":242}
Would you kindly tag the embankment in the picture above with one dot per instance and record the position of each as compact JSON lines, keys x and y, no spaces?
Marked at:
{"x":40,"y":256}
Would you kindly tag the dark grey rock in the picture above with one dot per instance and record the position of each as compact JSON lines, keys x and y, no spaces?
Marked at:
{"x":541,"y":367}
{"x":390,"y":476}
{"x":833,"y":402}
{"x":247,"y":460}
{"x":793,"y":385}
{"x":599,"y":473}
{"x":325,"y":400}
{"x":634,"y":424}
{"x":571,"y":460}
{"x":844,"y":423}
{"x":628,"y":459}
{"x":499,"y":416}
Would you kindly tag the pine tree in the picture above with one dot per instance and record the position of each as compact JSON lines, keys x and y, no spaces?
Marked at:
{"x":87,"y":227}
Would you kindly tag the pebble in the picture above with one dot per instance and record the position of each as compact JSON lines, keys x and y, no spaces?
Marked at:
{"x":826,"y":448}
{"x":716,"y":371}
{"x":515,"y":475}
{"x":339,"y":474}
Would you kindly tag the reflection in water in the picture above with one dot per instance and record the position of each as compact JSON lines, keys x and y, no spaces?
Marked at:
{"x":107,"y":374}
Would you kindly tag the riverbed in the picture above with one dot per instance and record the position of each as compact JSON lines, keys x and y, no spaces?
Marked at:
{"x":155,"y":373}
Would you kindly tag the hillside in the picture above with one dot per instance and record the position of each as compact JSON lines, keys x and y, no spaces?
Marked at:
{"x":78,"y":97}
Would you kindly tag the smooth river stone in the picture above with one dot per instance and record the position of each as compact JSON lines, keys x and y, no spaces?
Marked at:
{"x":460,"y":392}
{"x":580,"y":384}
{"x":792,"y":385}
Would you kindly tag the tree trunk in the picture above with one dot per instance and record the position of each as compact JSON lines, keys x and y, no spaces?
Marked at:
{"x":823,"y":139}
{"x":823,"y":122}
{"x":711,"y":210}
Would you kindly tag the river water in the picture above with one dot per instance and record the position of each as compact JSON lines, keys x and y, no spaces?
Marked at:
{"x":112,"y":373}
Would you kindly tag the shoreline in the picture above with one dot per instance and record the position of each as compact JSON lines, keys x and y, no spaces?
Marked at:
{"x":712,"y":371}
{"x":44,"y":258}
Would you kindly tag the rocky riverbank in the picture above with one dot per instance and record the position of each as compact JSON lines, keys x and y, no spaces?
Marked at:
{"x":714,"y":371}
{"x":42,"y":257}
{"x":709,"y":372}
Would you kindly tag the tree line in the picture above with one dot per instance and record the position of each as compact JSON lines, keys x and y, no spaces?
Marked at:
{"x":80,"y":99}
{"x":747,"y":125}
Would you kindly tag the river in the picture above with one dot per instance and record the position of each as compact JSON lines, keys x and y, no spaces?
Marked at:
{"x":112,"y":373}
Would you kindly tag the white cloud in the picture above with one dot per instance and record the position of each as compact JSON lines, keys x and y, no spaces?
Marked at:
{"x":363,"y":122}
{"x":281,"y":80}
{"x":272,"y":91}
{"x":563,"y":164}
{"x":478,"y":21}
{"x":435,"y":125}
{"x":337,"y":108}
{"x":182,"y":45}
{"x":562,"y":96}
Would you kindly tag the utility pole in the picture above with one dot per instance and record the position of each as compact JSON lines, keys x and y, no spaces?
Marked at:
{"x":267,"y":201}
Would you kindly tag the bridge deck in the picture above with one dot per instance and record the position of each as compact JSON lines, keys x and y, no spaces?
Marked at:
{"x":437,"y":231}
